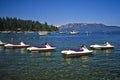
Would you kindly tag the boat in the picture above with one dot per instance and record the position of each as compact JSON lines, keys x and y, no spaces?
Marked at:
{"x":2,"y":43}
{"x":62,"y":32}
{"x":43,"y":33}
{"x":21,"y":45}
{"x":45,"y":47}
{"x":106,"y":45}
{"x":74,"y":32}
{"x":83,"y":51}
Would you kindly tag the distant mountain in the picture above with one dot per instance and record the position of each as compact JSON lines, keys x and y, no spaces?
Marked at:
{"x":83,"y":27}
{"x":80,"y":25}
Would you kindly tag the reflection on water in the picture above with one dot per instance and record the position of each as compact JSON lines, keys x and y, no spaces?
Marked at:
{"x":82,"y":59}
{"x":22,"y":50}
{"x":1,"y":48}
{"x":17,"y":50}
{"x":43,"y":53}
{"x":8,"y":50}
{"x":68,"y":60}
{"x":47,"y":54}
{"x":106,"y":51}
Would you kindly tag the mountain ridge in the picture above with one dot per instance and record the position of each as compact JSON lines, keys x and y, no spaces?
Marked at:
{"x":83,"y":24}
{"x":92,"y":27}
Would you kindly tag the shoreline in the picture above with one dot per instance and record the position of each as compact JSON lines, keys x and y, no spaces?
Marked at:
{"x":24,"y":31}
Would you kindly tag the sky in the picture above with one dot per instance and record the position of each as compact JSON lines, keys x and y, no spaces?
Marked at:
{"x":60,"y":12}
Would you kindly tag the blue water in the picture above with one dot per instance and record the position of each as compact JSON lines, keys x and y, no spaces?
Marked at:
{"x":18,"y":64}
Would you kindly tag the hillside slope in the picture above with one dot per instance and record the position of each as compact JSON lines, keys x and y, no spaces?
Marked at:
{"x":83,"y":27}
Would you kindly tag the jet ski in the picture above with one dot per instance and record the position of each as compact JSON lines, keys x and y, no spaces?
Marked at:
{"x":106,"y":45}
{"x":2,"y":43}
{"x":21,"y":45}
{"x":46,"y":47}
{"x":74,"y":53}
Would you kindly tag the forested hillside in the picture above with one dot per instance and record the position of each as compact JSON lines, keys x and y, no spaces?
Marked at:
{"x":14,"y":24}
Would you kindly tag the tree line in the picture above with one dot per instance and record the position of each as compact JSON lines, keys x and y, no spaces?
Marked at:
{"x":14,"y":24}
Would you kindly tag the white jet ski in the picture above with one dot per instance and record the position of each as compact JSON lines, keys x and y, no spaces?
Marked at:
{"x":21,"y":45}
{"x":2,"y":43}
{"x":103,"y":46}
{"x":74,"y":53}
{"x":46,"y":47}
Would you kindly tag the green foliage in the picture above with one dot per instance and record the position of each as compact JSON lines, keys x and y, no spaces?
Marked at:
{"x":14,"y":24}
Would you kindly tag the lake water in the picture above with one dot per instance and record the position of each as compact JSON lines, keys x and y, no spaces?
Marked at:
{"x":18,"y":64}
